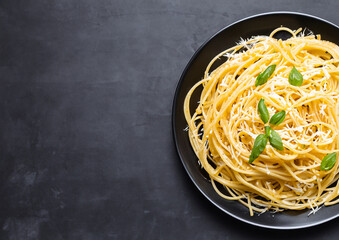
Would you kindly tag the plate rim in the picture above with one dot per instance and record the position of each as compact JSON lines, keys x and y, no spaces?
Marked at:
{"x":174,"y":104}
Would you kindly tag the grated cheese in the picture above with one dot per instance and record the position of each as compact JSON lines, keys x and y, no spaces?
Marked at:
{"x":295,"y":189}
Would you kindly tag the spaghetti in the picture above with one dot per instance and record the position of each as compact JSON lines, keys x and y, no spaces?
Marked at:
{"x":224,"y":125}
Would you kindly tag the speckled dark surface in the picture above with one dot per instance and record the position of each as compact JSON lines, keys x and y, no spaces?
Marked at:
{"x":85,"y":114}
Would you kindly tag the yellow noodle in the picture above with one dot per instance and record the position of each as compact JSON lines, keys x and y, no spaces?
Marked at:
{"x":223,"y":127}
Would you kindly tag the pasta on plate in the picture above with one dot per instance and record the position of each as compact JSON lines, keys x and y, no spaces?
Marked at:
{"x":266,"y":126}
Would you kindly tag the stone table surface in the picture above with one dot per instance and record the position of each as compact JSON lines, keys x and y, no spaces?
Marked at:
{"x":85,"y":113}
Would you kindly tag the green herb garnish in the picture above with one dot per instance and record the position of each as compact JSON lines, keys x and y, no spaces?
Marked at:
{"x":258,"y":147}
{"x":265,"y":75}
{"x":263,"y":112}
{"x":328,"y":161}
{"x":278,"y":118}
{"x":295,"y":78}
{"x":260,"y":141}
{"x":275,"y":140}
{"x":267,"y":131}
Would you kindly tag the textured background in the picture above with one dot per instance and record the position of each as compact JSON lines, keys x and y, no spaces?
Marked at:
{"x":85,"y":114}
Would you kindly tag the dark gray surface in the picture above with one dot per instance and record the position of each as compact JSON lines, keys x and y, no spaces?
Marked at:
{"x":86,"y":143}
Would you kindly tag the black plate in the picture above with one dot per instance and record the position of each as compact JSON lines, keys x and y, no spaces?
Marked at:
{"x":261,"y":24}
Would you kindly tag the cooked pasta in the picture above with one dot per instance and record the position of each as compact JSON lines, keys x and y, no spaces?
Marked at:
{"x":226,"y":122}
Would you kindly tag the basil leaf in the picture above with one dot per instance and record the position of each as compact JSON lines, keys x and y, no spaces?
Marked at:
{"x":278,"y":118}
{"x":328,"y":161}
{"x":275,"y":140}
{"x":258,"y":147}
{"x":267,"y":131}
{"x":265,"y":75}
{"x":295,"y":78}
{"x":263,"y":112}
